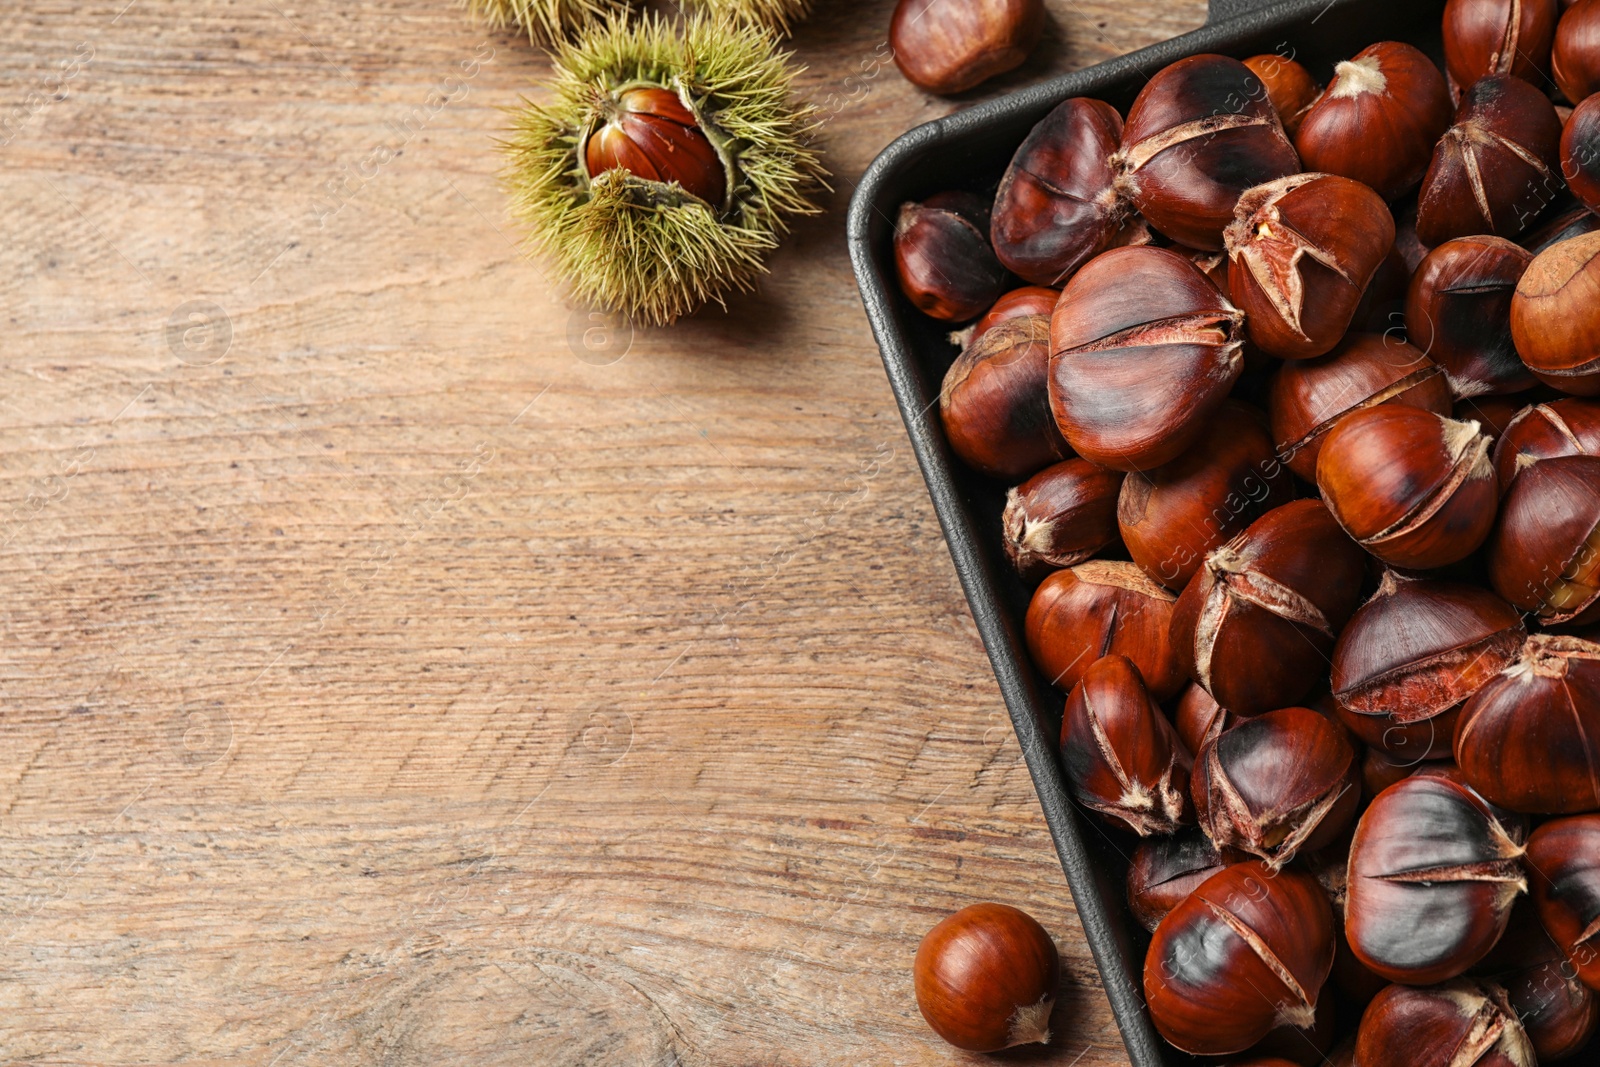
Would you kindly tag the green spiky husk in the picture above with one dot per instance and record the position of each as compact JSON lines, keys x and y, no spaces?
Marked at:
{"x":643,"y":248}
{"x":544,"y":21}
{"x":780,"y":15}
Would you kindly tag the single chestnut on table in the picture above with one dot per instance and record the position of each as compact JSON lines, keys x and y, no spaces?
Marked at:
{"x":1378,"y":119}
{"x":1307,"y":398}
{"x":986,"y":978}
{"x":1458,"y":311}
{"x":1580,"y":153}
{"x":1575,"y":56}
{"x":1301,"y":251}
{"x":995,"y":401}
{"x":1256,"y":623}
{"x":1462,"y":1023}
{"x":1410,"y":657}
{"x":1098,"y":608}
{"x":1413,"y":488}
{"x":1199,"y":134}
{"x":1144,"y":350}
{"x":1544,"y":554}
{"x":1564,"y":866}
{"x":1289,"y":85}
{"x":1433,"y":875}
{"x":1165,"y":870}
{"x":1555,"y":316}
{"x":948,"y":46}
{"x":1247,"y":951}
{"x":1483,"y":37}
{"x":943,"y":259}
{"x":1060,"y":517}
{"x":1566,"y":427}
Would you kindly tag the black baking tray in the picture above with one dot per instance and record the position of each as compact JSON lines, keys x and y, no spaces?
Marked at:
{"x":970,"y":150}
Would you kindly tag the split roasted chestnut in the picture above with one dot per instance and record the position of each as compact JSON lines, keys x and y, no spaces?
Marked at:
{"x":1165,"y":870}
{"x":1458,"y":311}
{"x":1544,"y":555}
{"x":1575,"y":57}
{"x":1199,"y":134}
{"x":1144,"y":349}
{"x":1580,"y":153}
{"x":1484,"y":37}
{"x":1017,"y":304}
{"x":1255,"y":625}
{"x":1170,"y":517}
{"x":948,"y":46}
{"x":1413,"y":488}
{"x":1564,"y":861}
{"x":1199,"y":718}
{"x":1301,"y":251}
{"x":1060,"y":517}
{"x":1122,"y":758}
{"x":1378,"y":119}
{"x":1412,"y":655}
{"x":1246,"y":952}
{"x":995,"y":403}
{"x":1464,"y":1023}
{"x":1289,"y":86}
{"x":986,"y":978}
{"x":1433,"y":875}
{"x":1555,"y":316}
{"x":943,"y":259}
{"x":1569,"y":427}
{"x":1307,"y":398}
{"x":1099,"y":608}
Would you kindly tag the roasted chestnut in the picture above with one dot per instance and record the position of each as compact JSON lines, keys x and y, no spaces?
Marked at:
{"x":986,"y":978}
{"x":1484,"y":37}
{"x":1464,"y":1023}
{"x":1412,"y":654}
{"x":1200,"y":133}
{"x":1569,"y":427}
{"x":1433,"y":875}
{"x":1143,"y":351}
{"x":1301,"y":251}
{"x":1559,"y":1013}
{"x":1289,"y":86}
{"x":1099,"y":608}
{"x":1497,"y":167}
{"x":1123,"y":760}
{"x":1165,"y":870}
{"x":1555,"y":316}
{"x":1564,"y":863}
{"x":1017,"y":304}
{"x":1413,"y":488}
{"x":1060,"y":517}
{"x":1170,"y":517}
{"x":995,"y":403}
{"x":1255,"y":625}
{"x":1580,"y":153}
{"x":1574,"y":222}
{"x":1544,"y":555}
{"x":1378,"y":119}
{"x":1199,"y":718}
{"x":943,"y":259}
{"x":948,"y":46}
{"x":1575,"y":57}
{"x":1306,"y":398}
{"x":1458,"y":311}
{"x":1247,"y":951}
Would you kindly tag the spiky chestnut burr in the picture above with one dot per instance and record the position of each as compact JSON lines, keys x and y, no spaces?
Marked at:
{"x":666,"y":111}
{"x":548,"y":21}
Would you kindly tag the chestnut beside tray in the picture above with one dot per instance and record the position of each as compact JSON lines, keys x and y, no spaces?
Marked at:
{"x":969,"y":150}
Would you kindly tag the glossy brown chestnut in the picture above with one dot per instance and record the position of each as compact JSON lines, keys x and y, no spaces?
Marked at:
{"x":1170,"y":517}
{"x":1568,"y":427}
{"x":1559,"y":1013}
{"x":1574,"y":222}
{"x":1301,"y":251}
{"x":1307,"y":398}
{"x":1249,"y":950}
{"x":995,"y":404}
{"x":1483,"y":37}
{"x":1413,"y":488}
{"x":1497,"y":168}
{"x":986,"y":978}
{"x":1412,"y":654}
{"x":1255,"y":625}
{"x":943,"y":259}
{"x":1379,"y":771}
{"x":1165,"y":870}
{"x":1433,"y":875}
{"x":1199,"y":134}
{"x":1575,"y":56}
{"x":1580,"y":153}
{"x":1544,"y":555}
{"x":1060,"y":517}
{"x":1058,"y":205}
{"x":1143,"y":350}
{"x":650,"y":132}
{"x":1122,"y":758}
{"x":948,"y":46}
{"x":1378,"y":119}
{"x":1098,"y":608}
{"x":1458,"y":311}
{"x":1018,"y":303}
{"x":1290,"y":87}
{"x":1555,"y":316}
{"x":1463,"y":1023}
{"x":1199,"y":718}
{"x":1564,"y":865}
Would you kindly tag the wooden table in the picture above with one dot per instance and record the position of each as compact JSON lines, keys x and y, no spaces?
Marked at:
{"x":391,"y":676}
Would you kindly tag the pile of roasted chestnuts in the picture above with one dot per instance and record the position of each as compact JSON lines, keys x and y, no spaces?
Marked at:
{"x":1296,"y":388}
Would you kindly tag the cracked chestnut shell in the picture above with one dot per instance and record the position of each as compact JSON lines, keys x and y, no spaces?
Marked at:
{"x":1301,"y":251}
{"x":943,"y":259}
{"x":1529,"y":740}
{"x":1060,"y":517}
{"x":1569,"y":427}
{"x":986,"y":978}
{"x":1122,"y":758}
{"x":1575,"y":56}
{"x":1165,"y":870}
{"x":1277,"y":784}
{"x":1555,"y":316}
{"x":1290,"y":87}
{"x":1544,"y":554}
{"x":1462,"y":1023}
{"x":1199,"y":134}
{"x":1144,"y":349}
{"x":1559,"y":1012}
{"x":1099,"y":608}
{"x":1458,"y":311}
{"x":1580,"y":153}
{"x":948,"y":46}
{"x":1412,"y":654}
{"x":1255,"y":624}
{"x":1496,"y":168}
{"x":1483,"y":37}
{"x":1378,"y":119}
{"x":1247,"y":951}
{"x":1058,"y":205}
{"x":1564,"y":858}
{"x":1307,"y":398}
{"x":995,"y":402}
{"x":1432,"y":878}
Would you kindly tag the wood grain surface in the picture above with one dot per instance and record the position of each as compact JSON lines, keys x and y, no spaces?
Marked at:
{"x":400,"y":665}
